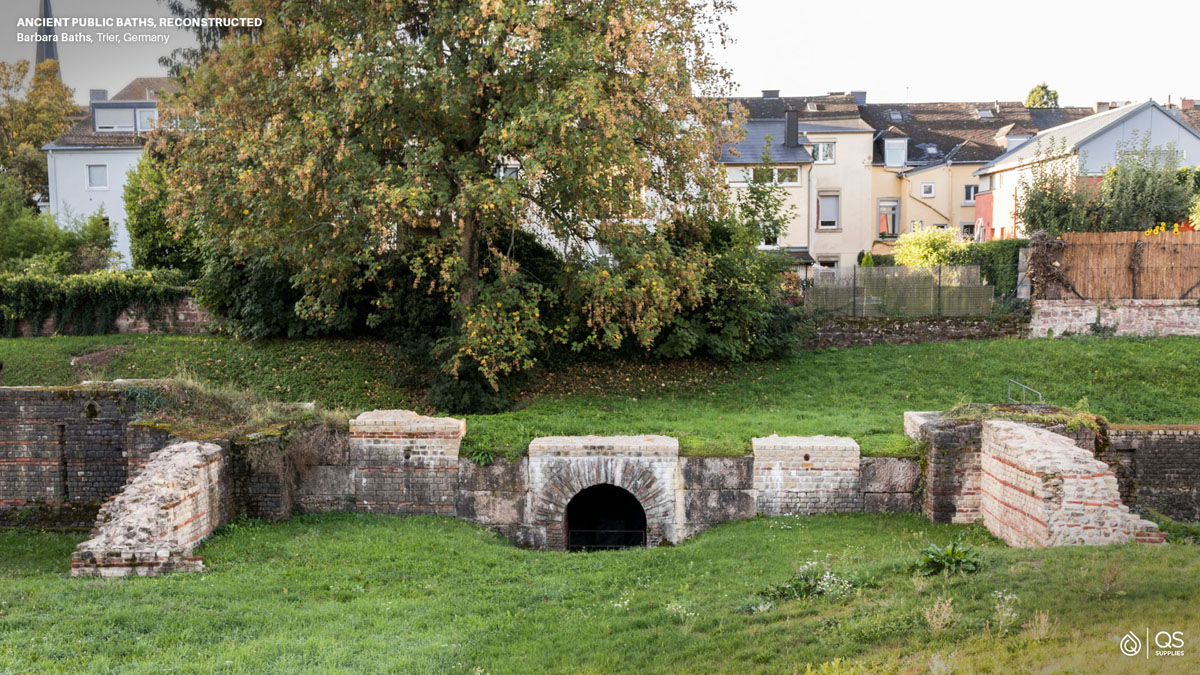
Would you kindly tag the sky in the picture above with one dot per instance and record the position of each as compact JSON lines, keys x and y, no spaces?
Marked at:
{"x":921,"y":50}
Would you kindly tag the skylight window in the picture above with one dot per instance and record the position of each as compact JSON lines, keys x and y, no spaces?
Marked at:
{"x":985,"y":114}
{"x":896,"y":116}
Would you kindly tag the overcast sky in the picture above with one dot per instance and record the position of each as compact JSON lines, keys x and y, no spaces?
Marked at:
{"x":921,"y":50}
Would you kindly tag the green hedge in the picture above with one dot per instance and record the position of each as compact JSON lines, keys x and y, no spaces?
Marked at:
{"x":997,"y":260}
{"x":85,"y":304}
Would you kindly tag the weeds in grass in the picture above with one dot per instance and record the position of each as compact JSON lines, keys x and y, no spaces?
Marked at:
{"x":1110,"y":583}
{"x":955,"y":558}
{"x":1177,"y":532}
{"x":1040,"y":628}
{"x":941,"y":664}
{"x":1004,"y":612}
{"x":812,"y":580}
{"x":920,"y":583}
{"x":941,"y":615}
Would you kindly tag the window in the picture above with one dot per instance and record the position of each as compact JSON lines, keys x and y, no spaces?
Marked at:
{"x":889,"y":217}
{"x":985,"y":114}
{"x":97,"y":176}
{"x":895,"y":151}
{"x":827,"y":212}
{"x":770,"y":242}
{"x":969,"y":192}
{"x":787,"y":175}
{"x":968,"y":230}
{"x":114,"y":119}
{"x":823,"y":153}
{"x":764,"y":175}
{"x":147,"y":118}
{"x":927,"y":189}
{"x":508,"y":171}
{"x":829,"y":264}
{"x":896,"y":116}
{"x":737,"y":174}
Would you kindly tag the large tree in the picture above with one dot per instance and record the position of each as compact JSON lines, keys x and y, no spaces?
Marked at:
{"x":31,"y":116}
{"x":436,"y":129}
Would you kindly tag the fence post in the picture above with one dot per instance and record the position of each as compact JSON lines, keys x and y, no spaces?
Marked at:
{"x":939,"y":306}
{"x":854,"y":291}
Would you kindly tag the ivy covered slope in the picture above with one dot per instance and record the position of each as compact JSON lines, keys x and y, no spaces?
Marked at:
{"x":713,"y":409}
{"x":83,"y":304}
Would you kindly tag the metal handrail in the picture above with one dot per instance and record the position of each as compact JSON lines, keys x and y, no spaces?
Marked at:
{"x":1025,"y":392}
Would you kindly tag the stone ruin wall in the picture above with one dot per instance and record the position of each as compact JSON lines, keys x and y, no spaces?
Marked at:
{"x":1157,"y":467}
{"x":152,"y":527}
{"x":817,"y":474}
{"x":1056,"y":318}
{"x":1039,"y":489}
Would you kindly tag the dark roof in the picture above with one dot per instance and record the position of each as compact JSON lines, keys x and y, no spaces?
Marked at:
{"x":137,"y":90}
{"x":973,"y":132}
{"x":82,"y":135}
{"x":749,"y":149}
{"x":1191,"y":118}
{"x":809,"y":107}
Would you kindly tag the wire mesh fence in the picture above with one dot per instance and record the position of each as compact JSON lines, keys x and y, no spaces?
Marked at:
{"x":946,"y":290}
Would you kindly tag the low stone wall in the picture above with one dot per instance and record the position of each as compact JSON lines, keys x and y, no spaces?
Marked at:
{"x":716,"y":490}
{"x":1039,"y":489}
{"x":183,"y":318}
{"x":953,"y":463}
{"x":405,"y":463}
{"x":177,"y":499}
{"x":1158,"y":467}
{"x":816,"y":474}
{"x":890,"y":484}
{"x":1055,"y":318}
{"x":844,"y":331}
{"x":62,"y":452}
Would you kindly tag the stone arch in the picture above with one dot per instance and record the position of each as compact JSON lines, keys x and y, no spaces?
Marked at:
{"x":566,"y":479}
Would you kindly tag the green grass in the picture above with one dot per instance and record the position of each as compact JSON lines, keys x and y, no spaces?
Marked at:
{"x":353,"y":593}
{"x":860,"y":392}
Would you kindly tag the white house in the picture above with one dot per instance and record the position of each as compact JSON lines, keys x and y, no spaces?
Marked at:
{"x":87,"y":166}
{"x":1092,"y":145}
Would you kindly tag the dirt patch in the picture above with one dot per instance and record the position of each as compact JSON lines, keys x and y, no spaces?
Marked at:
{"x":100,"y":358}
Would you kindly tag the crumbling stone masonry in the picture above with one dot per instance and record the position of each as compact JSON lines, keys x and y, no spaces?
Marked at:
{"x":1039,"y":489}
{"x":1157,"y":467}
{"x":1056,"y":318}
{"x":177,"y":499}
{"x":816,"y":474}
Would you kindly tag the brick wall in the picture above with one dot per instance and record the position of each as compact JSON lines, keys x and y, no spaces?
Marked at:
{"x":814,"y":474}
{"x":953,"y":463}
{"x":404,"y":462}
{"x":62,"y":452}
{"x":1125,"y":317}
{"x":184,"y":317}
{"x":1040,"y":489}
{"x":844,"y":331}
{"x":1158,"y":467}
{"x":152,"y":527}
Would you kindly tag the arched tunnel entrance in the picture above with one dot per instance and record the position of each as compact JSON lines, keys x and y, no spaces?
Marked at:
{"x":604,"y":517}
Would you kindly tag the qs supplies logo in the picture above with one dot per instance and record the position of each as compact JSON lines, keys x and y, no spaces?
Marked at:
{"x":1165,"y":643}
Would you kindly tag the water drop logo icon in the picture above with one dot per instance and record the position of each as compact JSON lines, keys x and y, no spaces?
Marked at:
{"x":1131,"y":645}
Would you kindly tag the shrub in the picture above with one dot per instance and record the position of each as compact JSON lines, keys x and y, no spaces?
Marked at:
{"x":84,"y":304}
{"x":928,"y":247}
{"x":153,"y":242}
{"x":941,"y":614}
{"x":34,"y":242}
{"x":997,"y":260}
{"x":810,"y":581}
{"x":956,"y":558}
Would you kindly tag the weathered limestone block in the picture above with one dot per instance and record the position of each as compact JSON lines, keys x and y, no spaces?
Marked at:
{"x":178,"y":498}
{"x":890,"y":474}
{"x":806,"y":474}
{"x":1039,"y":489}
{"x":717,"y":473}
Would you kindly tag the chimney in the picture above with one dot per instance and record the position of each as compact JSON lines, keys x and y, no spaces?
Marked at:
{"x":1102,"y":106}
{"x":860,"y":97}
{"x":770,"y":93}
{"x":97,"y":94}
{"x":791,"y":123}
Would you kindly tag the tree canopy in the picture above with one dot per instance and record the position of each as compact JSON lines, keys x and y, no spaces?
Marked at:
{"x":1042,"y":96}
{"x":344,"y":133}
{"x":31,"y":116}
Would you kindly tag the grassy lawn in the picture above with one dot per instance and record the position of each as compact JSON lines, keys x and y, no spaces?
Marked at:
{"x":716,"y":410}
{"x":352,"y":593}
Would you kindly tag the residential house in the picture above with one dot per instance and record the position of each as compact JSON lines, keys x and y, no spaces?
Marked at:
{"x":925,"y":156}
{"x":1091,"y":144}
{"x":823,"y":173}
{"x":87,"y":165}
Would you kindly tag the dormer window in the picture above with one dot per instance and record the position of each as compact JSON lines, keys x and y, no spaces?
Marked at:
{"x":895,"y":152}
{"x":114,"y":119}
{"x":147,"y":118}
